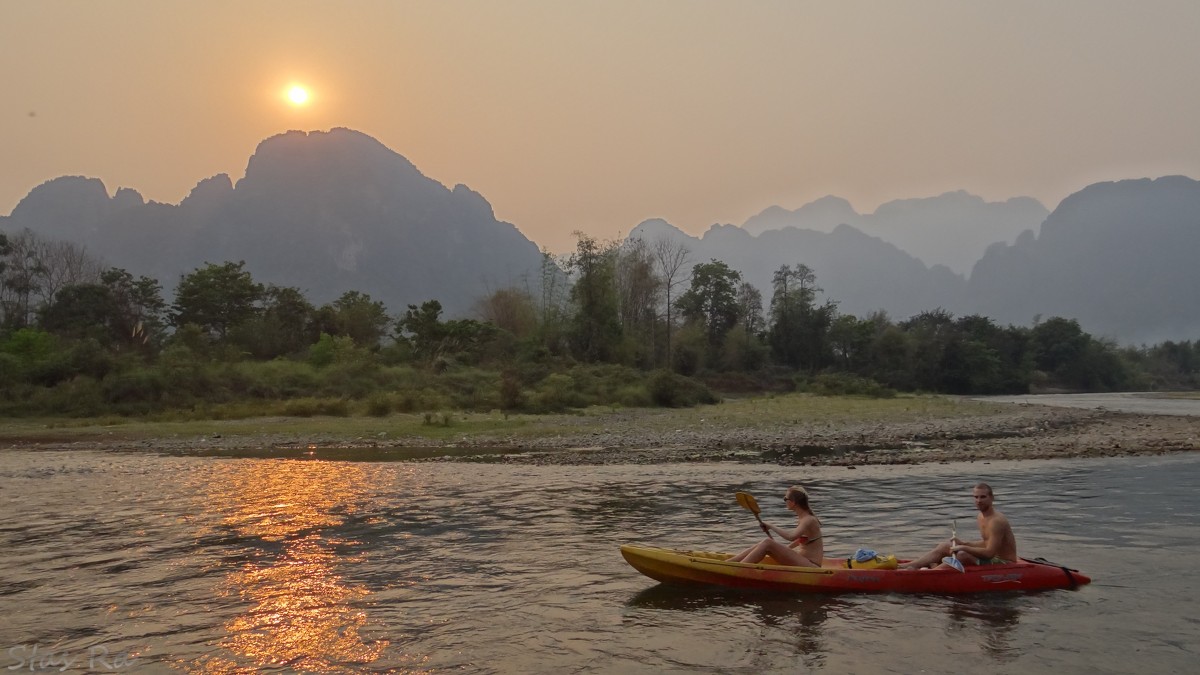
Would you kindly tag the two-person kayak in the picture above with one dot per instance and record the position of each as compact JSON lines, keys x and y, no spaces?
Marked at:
{"x":713,"y":569}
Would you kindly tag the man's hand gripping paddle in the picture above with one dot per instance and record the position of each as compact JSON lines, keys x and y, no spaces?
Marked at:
{"x":952,"y":559}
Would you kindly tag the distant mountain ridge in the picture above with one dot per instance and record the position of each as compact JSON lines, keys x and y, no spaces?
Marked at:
{"x":326,"y":212}
{"x":1119,"y":257}
{"x":862,"y":273}
{"x":334,"y":211}
{"x":953,"y":229}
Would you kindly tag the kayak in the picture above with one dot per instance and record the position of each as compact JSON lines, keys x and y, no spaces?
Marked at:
{"x":713,"y":569}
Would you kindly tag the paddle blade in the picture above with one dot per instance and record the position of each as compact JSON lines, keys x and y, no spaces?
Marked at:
{"x":747,"y":501}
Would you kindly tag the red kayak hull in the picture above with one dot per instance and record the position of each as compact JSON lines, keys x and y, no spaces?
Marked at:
{"x":711,"y":569}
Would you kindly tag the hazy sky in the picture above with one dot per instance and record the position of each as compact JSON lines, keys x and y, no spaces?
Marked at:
{"x":593,"y":116}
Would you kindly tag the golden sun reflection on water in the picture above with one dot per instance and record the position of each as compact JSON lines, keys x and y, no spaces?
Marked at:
{"x":302,"y":615}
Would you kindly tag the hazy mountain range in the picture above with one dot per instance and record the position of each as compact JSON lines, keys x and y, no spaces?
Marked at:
{"x":324,"y":212}
{"x":953,"y":229}
{"x":334,"y":211}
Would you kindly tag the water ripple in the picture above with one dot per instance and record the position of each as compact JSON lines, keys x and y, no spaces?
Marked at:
{"x":204,"y":564}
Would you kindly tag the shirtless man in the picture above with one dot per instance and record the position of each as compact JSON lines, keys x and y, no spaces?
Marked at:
{"x":807,"y":549}
{"x":997,"y":547}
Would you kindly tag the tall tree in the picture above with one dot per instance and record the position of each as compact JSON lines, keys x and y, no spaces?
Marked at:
{"x":216,"y":298}
{"x":356,"y":316}
{"x":671,"y":256}
{"x":82,"y":311}
{"x":638,"y":286}
{"x":595,"y":331}
{"x":799,"y":333}
{"x":21,"y":281}
{"x":509,"y":309}
{"x":284,"y":325}
{"x":33,"y":269}
{"x":140,"y":307}
{"x":750,"y":309}
{"x":712,"y":299}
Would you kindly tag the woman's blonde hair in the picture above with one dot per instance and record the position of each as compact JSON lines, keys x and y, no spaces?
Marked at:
{"x":799,"y":497}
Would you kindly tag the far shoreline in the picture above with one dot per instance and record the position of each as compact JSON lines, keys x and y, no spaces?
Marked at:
{"x":793,"y":430}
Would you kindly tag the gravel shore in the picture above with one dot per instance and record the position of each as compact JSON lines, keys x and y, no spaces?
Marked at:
{"x":1023,"y":432}
{"x":1013,"y":431}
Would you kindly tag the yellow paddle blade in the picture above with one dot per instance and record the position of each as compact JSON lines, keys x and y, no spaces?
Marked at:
{"x":747,"y":501}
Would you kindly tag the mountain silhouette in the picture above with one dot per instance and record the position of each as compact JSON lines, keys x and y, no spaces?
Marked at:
{"x":1118,"y":257}
{"x":334,"y":211}
{"x":326,"y":212}
{"x":860,"y":272}
{"x":953,"y":229}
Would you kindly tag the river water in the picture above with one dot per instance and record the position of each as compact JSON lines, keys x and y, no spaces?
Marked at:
{"x":151,"y":563}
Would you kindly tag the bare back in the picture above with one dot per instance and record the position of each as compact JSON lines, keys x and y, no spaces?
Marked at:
{"x":998,"y":535}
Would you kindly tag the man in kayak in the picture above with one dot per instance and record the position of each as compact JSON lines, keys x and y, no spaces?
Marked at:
{"x":806,"y":549}
{"x":997,"y":547}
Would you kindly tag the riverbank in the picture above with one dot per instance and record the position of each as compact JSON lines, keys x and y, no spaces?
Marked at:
{"x":784,"y":430}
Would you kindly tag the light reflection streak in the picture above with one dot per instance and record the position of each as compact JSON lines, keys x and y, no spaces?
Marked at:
{"x":303,"y":615}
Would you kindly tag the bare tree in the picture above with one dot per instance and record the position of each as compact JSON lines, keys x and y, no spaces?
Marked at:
{"x":672,"y":256}
{"x":637,"y":284}
{"x":750,"y":308}
{"x":64,"y":263}
{"x":21,"y":279}
{"x":511,"y":309}
{"x":33,"y":269}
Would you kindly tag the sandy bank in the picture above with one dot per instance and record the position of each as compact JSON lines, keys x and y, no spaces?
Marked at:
{"x":652,"y":437}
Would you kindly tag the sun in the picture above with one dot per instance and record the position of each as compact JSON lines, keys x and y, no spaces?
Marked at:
{"x":298,"y":95}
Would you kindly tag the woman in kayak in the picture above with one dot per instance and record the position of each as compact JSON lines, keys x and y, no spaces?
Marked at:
{"x":806,"y":549}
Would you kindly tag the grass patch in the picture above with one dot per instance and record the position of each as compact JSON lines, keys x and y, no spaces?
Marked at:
{"x":742,"y":413}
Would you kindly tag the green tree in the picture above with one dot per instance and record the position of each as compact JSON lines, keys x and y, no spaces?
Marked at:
{"x":712,"y":302}
{"x":799,"y":333}
{"x":850,"y":339}
{"x":21,"y":276}
{"x":422,"y":328}
{"x":83,"y":311}
{"x":357,"y":316}
{"x":216,"y":298}
{"x":595,"y":329}
{"x":285,"y":325}
{"x":140,"y":308}
{"x":638,"y":286}
{"x":1057,"y":345}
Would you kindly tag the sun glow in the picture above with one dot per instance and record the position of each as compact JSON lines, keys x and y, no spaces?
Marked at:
{"x":297,"y":95}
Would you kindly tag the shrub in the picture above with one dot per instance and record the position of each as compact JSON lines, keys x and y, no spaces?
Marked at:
{"x":845,"y":384}
{"x":140,"y":385}
{"x":670,"y":390}
{"x":556,"y":393}
{"x":511,"y":394}
{"x":310,"y":406}
{"x":634,"y":396}
{"x":379,"y":404}
{"x":79,"y":397}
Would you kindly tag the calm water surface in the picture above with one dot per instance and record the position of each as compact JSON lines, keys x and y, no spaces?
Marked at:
{"x":159,"y":563}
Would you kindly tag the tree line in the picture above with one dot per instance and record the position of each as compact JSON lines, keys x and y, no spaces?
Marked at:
{"x":628,"y":323}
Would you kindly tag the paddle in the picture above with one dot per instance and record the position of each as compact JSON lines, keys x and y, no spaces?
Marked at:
{"x":953,"y":542}
{"x":748,"y":502}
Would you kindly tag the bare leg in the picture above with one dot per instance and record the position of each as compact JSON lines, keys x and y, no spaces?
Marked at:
{"x":781,"y":553}
{"x":929,"y":559}
{"x":741,"y":557}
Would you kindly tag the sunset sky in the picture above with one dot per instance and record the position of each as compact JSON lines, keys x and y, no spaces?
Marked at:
{"x":595,"y":116}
